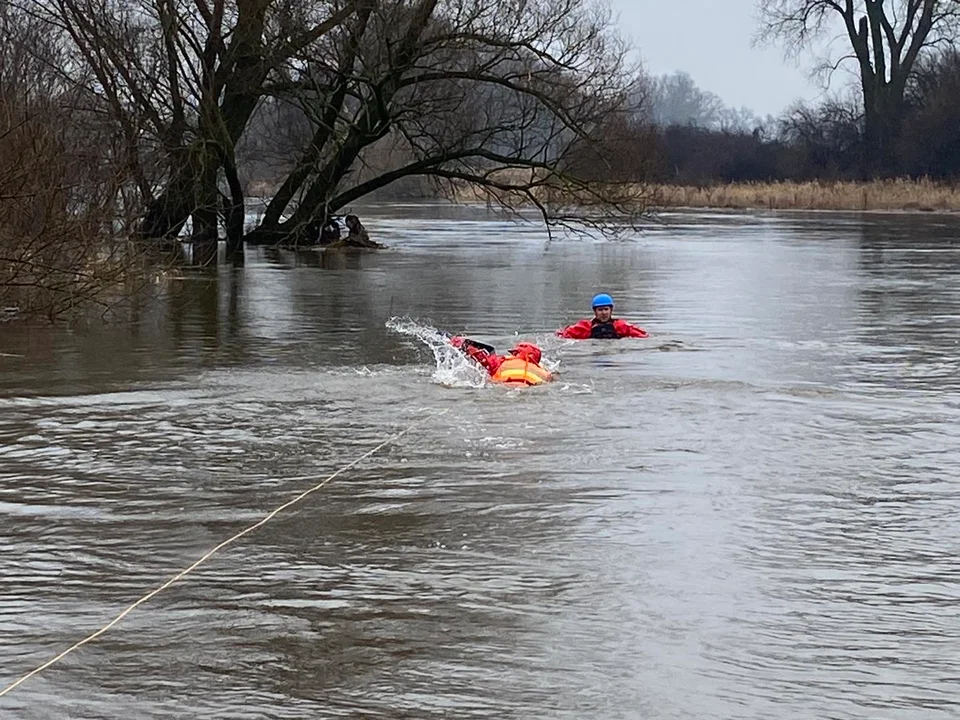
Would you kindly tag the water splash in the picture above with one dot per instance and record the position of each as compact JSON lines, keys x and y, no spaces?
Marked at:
{"x":453,"y":368}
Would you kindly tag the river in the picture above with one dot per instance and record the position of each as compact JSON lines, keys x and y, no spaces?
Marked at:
{"x":752,"y":514}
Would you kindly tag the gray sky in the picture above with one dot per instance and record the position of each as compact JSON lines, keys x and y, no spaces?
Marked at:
{"x":711,"y":40}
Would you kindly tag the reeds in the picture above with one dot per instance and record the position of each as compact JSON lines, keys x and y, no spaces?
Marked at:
{"x":917,"y":195}
{"x":880,"y":195}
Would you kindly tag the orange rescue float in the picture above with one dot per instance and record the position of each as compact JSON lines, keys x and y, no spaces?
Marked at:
{"x":517,"y":371}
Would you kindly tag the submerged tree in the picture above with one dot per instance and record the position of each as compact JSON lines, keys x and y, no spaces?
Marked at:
{"x":483,"y":95}
{"x":886,"y":41}
{"x":180,"y":80}
{"x":491,"y":95}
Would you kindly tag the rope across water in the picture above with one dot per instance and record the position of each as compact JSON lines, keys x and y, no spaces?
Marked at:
{"x":180,"y":575}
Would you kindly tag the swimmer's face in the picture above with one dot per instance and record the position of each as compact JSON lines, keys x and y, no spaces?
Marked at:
{"x":603,"y":313}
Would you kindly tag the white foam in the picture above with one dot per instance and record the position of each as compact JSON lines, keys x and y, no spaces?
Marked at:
{"x":453,"y":368}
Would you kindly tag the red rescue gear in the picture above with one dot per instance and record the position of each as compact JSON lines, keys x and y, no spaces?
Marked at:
{"x":521,"y":366}
{"x":528,"y":352}
{"x":591,"y":328}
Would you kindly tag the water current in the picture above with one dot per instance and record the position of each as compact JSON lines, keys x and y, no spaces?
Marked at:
{"x":751,"y":514}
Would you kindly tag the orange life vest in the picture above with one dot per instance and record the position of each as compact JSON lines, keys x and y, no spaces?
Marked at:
{"x":516,"y":371}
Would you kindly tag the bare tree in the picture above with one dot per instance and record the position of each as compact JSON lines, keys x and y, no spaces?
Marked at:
{"x":481,"y":93}
{"x":886,"y":38}
{"x":676,"y":100}
{"x":827,"y":139}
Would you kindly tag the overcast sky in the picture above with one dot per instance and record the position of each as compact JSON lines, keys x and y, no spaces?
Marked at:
{"x":711,"y":40}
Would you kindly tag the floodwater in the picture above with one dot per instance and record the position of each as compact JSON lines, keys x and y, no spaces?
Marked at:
{"x":754,"y":513}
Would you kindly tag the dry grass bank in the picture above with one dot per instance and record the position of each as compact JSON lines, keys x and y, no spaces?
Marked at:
{"x":922,"y":195}
{"x":879,"y":195}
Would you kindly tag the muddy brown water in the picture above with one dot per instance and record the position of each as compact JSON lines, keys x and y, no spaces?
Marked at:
{"x":753,"y":514}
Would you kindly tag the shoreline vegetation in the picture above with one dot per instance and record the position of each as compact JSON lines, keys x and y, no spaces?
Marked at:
{"x":898,"y":195}
{"x":876,"y":195}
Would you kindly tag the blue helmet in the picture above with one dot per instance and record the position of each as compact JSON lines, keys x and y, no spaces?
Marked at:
{"x":602,"y":300}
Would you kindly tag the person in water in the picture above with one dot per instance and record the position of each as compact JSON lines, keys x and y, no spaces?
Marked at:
{"x":520,"y":366}
{"x":602,"y":326}
{"x":357,"y":235}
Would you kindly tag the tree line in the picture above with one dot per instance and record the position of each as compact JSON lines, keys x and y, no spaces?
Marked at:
{"x":900,"y":118}
{"x":825,"y":141}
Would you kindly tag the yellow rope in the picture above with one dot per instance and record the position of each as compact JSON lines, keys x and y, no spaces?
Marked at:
{"x":211,"y":553}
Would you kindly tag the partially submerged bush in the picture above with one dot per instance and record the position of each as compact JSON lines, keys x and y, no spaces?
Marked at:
{"x":62,"y":188}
